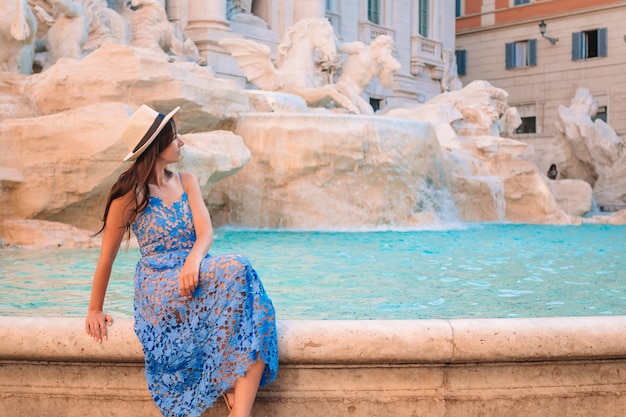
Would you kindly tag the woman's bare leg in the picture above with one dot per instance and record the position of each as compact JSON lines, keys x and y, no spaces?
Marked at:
{"x":246,"y":388}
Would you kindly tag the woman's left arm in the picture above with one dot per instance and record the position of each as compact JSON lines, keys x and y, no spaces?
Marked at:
{"x":189,"y":275}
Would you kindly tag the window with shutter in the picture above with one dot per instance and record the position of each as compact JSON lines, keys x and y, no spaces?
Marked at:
{"x":577,"y":46}
{"x":602,"y":42}
{"x":532,"y":52}
{"x":589,"y":44}
{"x":521,"y":54}
{"x":461,"y":55}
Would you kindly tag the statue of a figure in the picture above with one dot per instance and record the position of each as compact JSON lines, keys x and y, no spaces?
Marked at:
{"x":105,"y":25}
{"x":68,"y":34}
{"x":450,"y":78}
{"x":239,"y":6}
{"x":185,"y":49}
{"x":362,"y":65}
{"x":151,"y":29}
{"x":18,"y":28}
{"x":295,"y":70}
{"x":508,"y":122}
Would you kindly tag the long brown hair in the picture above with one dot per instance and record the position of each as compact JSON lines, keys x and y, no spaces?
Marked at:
{"x":136,"y":177}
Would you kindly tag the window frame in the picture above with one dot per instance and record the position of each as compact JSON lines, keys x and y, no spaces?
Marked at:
{"x":423,"y":13}
{"x":580,"y":44}
{"x":374,"y":11}
{"x":461,"y":62}
{"x":529,"y":114}
{"x":512,"y":52}
{"x":526,"y":121}
{"x":602,"y":115}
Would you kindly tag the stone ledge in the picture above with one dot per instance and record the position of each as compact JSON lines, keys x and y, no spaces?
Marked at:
{"x":441,"y":368}
{"x":344,"y":341}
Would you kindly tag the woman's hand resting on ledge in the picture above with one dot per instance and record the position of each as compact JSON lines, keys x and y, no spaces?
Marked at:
{"x":96,"y":324}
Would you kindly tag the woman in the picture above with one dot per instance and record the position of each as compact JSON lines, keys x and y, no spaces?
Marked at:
{"x":206,"y":324}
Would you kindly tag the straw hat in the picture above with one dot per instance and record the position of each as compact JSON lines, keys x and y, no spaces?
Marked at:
{"x":141,"y":129}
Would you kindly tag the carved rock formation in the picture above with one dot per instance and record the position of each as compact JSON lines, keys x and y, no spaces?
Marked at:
{"x":320,"y":171}
{"x":45,"y":234}
{"x":61,"y":155}
{"x":490,"y":181}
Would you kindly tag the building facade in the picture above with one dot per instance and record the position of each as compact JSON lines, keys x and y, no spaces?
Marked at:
{"x":542,"y":51}
{"x":423,"y":31}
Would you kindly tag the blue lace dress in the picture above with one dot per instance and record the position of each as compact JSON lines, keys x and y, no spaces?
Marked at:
{"x":196,"y":348}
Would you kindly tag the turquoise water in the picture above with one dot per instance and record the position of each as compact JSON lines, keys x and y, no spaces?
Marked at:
{"x":476,"y":271}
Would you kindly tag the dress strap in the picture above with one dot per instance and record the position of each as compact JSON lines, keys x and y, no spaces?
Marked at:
{"x":180,"y":177}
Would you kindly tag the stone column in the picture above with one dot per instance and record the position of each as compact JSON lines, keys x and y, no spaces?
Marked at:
{"x":207,"y":25}
{"x":308,"y":9}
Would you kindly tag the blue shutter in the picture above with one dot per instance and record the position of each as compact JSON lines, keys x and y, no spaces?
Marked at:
{"x":510,"y":55}
{"x":577,"y":40}
{"x":424,"y":25}
{"x":460,"y":62}
{"x":532,"y":52}
{"x":602,"y":42}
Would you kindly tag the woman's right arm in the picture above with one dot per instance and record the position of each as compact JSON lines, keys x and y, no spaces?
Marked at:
{"x":117,"y":218}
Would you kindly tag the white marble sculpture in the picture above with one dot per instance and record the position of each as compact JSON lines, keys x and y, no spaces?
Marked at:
{"x":239,"y":6}
{"x":185,"y":49}
{"x":509,"y":121}
{"x":598,"y":154}
{"x":240,"y":11}
{"x":18,"y":28}
{"x":310,"y":168}
{"x":593,"y":142}
{"x":152,"y":31}
{"x":362,"y":65}
{"x":450,"y":78}
{"x":150,"y":27}
{"x":490,"y":179}
{"x":105,"y":25}
{"x":295,"y":69}
{"x":67,"y":36}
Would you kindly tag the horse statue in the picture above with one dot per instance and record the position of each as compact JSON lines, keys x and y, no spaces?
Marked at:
{"x":363,"y":64}
{"x":295,"y":71}
{"x":18,"y":28}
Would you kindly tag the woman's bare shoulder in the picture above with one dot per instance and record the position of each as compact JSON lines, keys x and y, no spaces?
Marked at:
{"x":128,"y":200}
{"x":188,"y":178}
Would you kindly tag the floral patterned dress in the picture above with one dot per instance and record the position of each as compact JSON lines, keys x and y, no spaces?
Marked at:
{"x":196,"y":348}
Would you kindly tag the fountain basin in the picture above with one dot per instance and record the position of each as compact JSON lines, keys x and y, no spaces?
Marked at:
{"x":462,"y":367}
